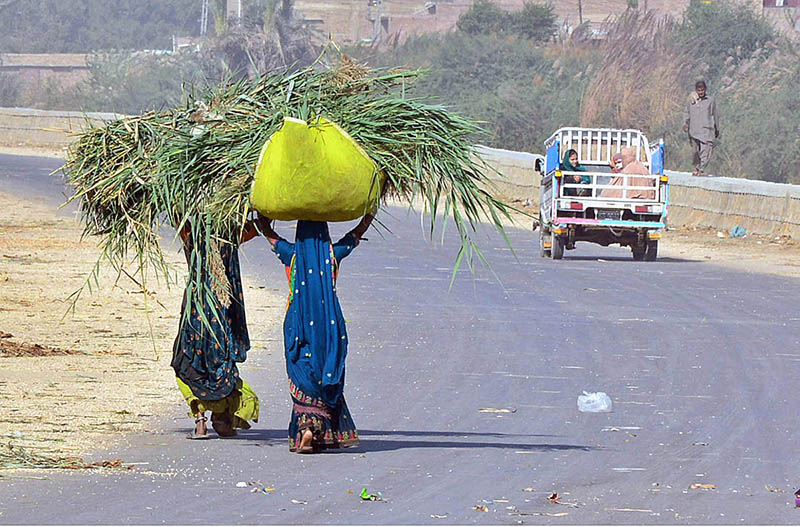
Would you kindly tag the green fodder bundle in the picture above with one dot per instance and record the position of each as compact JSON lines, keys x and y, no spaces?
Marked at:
{"x":195,"y":165}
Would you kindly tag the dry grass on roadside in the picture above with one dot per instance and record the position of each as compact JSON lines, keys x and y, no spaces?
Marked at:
{"x":641,"y":72}
{"x":17,"y":457}
{"x":85,"y":381}
{"x":80,"y":382}
{"x":9,"y":348}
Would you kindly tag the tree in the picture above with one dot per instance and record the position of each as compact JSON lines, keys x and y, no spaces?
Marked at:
{"x":82,"y":26}
{"x":534,"y":21}
{"x":483,"y":18}
{"x":724,"y":33}
{"x":269,"y":37}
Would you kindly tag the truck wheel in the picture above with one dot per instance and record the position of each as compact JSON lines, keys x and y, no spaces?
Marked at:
{"x":638,"y":252}
{"x":557,"y":250}
{"x":543,"y":235}
{"x":652,"y":251}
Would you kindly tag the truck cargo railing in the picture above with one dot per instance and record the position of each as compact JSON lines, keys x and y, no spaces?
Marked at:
{"x":595,"y":188}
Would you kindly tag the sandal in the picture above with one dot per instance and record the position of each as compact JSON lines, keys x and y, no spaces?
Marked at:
{"x":223,"y":425}
{"x":199,"y":426}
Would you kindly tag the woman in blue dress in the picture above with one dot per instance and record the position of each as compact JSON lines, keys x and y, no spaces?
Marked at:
{"x":315,"y":336}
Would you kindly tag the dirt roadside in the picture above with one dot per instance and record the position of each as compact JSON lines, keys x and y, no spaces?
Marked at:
{"x":76,"y":383}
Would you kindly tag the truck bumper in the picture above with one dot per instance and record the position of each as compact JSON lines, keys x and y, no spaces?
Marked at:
{"x":609,"y":223}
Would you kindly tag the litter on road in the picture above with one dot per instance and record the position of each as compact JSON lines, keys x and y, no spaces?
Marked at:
{"x":594,"y":402}
{"x":366,"y":496}
{"x":706,"y":486}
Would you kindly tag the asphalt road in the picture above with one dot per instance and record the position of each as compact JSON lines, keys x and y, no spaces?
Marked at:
{"x":701,"y":363}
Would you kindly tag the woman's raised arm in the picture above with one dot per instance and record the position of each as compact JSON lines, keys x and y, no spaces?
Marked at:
{"x":265,"y":226}
{"x":359,"y":230}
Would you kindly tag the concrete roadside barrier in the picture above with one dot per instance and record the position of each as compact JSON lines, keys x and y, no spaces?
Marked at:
{"x":42,"y":129}
{"x":722,"y":203}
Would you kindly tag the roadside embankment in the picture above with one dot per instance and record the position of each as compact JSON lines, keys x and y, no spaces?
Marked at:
{"x":42,"y":130}
{"x":72,"y":382}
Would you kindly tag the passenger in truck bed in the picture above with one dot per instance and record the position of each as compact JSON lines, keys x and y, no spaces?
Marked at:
{"x":630,"y":165}
{"x":570,"y":164}
{"x":616,"y":163}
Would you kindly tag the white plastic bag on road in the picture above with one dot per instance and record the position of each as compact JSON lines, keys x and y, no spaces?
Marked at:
{"x":594,"y":402}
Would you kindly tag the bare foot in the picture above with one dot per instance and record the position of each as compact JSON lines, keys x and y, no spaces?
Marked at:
{"x":305,"y":446}
{"x":200,"y":429}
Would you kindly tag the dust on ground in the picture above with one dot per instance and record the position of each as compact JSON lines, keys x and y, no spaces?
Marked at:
{"x":71,"y":383}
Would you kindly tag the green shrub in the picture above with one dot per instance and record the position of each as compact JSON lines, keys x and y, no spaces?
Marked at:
{"x":132,"y":84}
{"x":760,"y":121}
{"x":483,"y":18}
{"x":534,"y":21}
{"x":82,"y":26}
{"x":519,"y":90}
{"x":723,"y":34}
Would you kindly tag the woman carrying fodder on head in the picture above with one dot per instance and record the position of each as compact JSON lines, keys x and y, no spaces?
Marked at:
{"x":194,"y":164}
{"x":211,"y":342}
{"x":315,"y":334}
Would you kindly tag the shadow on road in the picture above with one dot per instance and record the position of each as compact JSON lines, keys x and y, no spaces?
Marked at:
{"x":383,"y":445}
{"x":375,"y":440}
{"x":627,"y":259}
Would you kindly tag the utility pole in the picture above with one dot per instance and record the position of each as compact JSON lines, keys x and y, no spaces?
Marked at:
{"x":204,"y":18}
{"x":233,"y":9}
{"x":580,"y":12}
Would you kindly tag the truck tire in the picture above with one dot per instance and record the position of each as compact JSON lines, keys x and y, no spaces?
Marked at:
{"x":638,"y":252}
{"x":543,"y":235}
{"x":651,"y":253}
{"x":557,"y":249}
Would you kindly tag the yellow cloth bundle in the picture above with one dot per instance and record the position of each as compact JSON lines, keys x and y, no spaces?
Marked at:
{"x":314,"y":171}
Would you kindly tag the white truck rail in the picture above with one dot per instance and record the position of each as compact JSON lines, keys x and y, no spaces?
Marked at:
{"x":614,"y":183}
{"x":596,"y":146}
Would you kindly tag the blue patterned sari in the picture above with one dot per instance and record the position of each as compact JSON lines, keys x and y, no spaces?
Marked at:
{"x":315,"y":336}
{"x":205,"y":360}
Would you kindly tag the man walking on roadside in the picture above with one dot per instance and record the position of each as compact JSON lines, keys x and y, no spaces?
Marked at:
{"x":701,"y":121}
